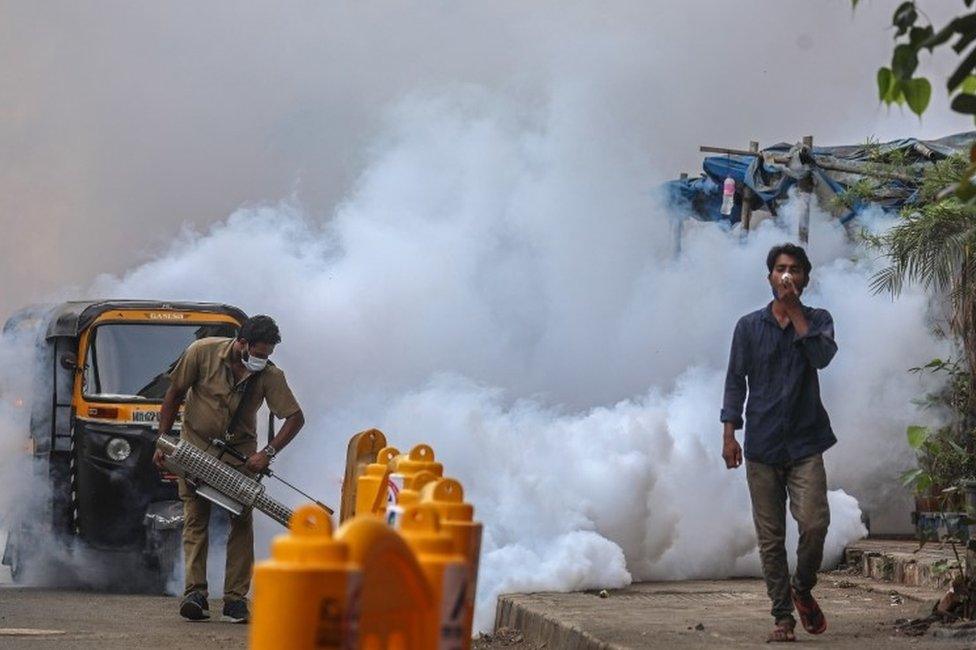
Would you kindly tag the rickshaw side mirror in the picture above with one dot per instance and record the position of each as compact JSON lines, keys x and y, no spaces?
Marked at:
{"x":69,"y":361}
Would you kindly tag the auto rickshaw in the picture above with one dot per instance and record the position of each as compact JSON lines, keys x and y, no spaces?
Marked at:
{"x":100,"y":374}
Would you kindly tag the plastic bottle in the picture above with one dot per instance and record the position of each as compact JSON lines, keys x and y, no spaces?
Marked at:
{"x":728,"y":195}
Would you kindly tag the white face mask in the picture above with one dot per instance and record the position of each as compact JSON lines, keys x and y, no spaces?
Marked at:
{"x":252,"y":363}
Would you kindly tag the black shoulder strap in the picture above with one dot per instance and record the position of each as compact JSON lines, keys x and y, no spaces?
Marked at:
{"x":235,"y":419}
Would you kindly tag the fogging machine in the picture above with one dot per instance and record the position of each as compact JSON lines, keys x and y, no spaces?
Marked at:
{"x":222,"y":484}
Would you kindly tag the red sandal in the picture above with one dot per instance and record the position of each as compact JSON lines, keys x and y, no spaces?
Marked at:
{"x":811,"y":616}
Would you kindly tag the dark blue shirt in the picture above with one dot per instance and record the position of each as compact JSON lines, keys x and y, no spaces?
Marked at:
{"x":785,"y":419}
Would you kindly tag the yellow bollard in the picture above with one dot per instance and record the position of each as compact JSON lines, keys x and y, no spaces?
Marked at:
{"x":404,"y":466}
{"x":361,"y":452}
{"x":371,"y":488}
{"x":457,"y":519}
{"x":306,"y":595}
{"x":408,"y":496}
{"x":446,"y":570}
{"x":398,"y":606}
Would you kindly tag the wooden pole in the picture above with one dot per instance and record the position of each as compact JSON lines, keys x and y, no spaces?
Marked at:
{"x":747,"y":197}
{"x":677,"y":228}
{"x":806,"y":194}
{"x":826,"y":162}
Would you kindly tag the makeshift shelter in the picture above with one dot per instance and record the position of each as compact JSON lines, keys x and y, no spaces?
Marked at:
{"x":763,"y":178}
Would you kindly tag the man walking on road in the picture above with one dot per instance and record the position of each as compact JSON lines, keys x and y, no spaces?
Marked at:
{"x":778,"y":351}
{"x":225,"y":381}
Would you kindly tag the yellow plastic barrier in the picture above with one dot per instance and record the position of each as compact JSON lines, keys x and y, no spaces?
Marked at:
{"x":409,"y":586}
{"x":360,"y":453}
{"x":404,"y":466}
{"x":398,"y":605}
{"x":372,"y":494}
{"x":457,"y":519}
{"x":408,"y":496}
{"x":446,"y":570}
{"x":310,"y":580}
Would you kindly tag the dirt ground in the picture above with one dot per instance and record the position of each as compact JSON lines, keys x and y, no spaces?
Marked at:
{"x":649,"y":615}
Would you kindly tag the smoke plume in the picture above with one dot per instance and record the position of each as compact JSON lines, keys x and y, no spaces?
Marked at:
{"x":523,"y":313}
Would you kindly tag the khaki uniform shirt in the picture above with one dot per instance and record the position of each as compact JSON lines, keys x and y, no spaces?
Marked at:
{"x":212,"y":395}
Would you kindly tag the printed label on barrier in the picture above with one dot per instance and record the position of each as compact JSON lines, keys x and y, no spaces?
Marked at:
{"x":354,"y":608}
{"x":338,"y":624}
{"x":453,"y":606}
{"x":393,"y":487}
{"x":394,"y":517}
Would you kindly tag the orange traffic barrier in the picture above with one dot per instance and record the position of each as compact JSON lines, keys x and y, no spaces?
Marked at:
{"x":372,"y":495}
{"x":421,"y":458}
{"x":360,"y":453}
{"x":457,"y":520}
{"x":404,"y":583}
{"x":398,"y":605}
{"x":408,"y":496}
{"x":309,"y":577}
{"x":446,"y":570}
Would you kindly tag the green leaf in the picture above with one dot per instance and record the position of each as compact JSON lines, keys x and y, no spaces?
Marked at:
{"x":923,"y":483}
{"x":963,"y":41}
{"x":917,"y":36}
{"x":968,"y":85}
{"x":896,"y":94}
{"x":904,"y":60}
{"x":964,"y":70}
{"x":964,"y":103}
{"x":918,"y":92}
{"x":885,"y":81}
{"x":935,"y":363}
{"x":966,"y":190}
{"x":940,"y":37}
{"x":904,"y":17}
{"x":963,"y":25}
{"x":911,"y":476}
{"x":917,"y":436}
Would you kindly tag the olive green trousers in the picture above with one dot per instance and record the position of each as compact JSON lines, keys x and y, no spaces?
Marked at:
{"x":805,"y":483}
{"x":196,"y":537}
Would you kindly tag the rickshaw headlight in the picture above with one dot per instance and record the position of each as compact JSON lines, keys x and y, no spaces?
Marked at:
{"x":118,"y":449}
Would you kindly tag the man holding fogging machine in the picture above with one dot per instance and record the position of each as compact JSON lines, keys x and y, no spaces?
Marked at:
{"x":225,"y":381}
{"x":778,"y":350}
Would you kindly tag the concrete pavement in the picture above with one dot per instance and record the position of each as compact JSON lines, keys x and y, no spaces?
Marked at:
{"x":712,"y":613}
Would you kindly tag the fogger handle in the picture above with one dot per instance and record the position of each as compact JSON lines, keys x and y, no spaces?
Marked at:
{"x":225,"y":448}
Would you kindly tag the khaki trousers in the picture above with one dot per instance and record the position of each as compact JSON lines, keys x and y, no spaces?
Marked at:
{"x":805,"y":482}
{"x":196,"y":538}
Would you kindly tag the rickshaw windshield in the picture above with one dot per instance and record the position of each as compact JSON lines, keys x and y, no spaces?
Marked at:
{"x":131,"y":361}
